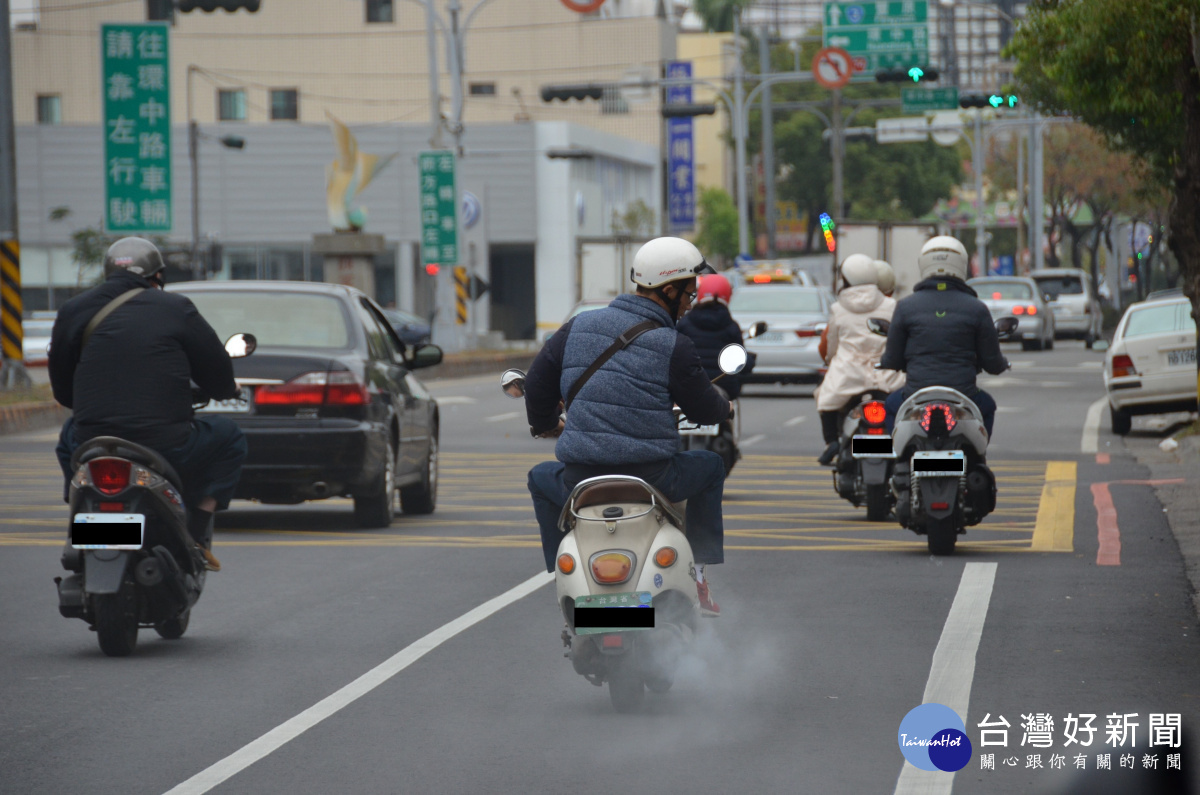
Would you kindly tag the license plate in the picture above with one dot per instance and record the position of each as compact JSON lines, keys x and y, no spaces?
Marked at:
{"x":770,"y":336}
{"x":932,"y":463}
{"x":871,"y":447}
{"x":107,"y":530}
{"x":599,"y":613}
{"x":687,"y":429}
{"x":231,"y":406}
{"x":1180,"y":358}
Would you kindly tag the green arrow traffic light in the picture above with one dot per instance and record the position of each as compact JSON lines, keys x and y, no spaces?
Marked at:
{"x":916,"y":73}
{"x":995,"y":100}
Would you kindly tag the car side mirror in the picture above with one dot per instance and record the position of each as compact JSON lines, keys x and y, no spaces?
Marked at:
{"x":513,"y":383}
{"x":240,"y":345}
{"x":757,"y":330}
{"x":425,"y":355}
{"x":878,"y":325}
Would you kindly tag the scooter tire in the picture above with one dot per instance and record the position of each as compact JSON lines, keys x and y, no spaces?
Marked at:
{"x":941,"y":535}
{"x":660,"y":685}
{"x":117,"y":620}
{"x":173,"y":628}
{"x":626,"y":688}
{"x":878,"y":504}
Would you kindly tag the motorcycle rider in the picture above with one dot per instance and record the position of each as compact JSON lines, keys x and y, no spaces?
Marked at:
{"x":852,"y":350}
{"x":887,"y":277}
{"x":621,"y":422}
{"x":711,"y":328}
{"x":131,"y":379}
{"x":942,"y":334}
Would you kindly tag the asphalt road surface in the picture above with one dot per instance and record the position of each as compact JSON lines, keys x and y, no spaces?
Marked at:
{"x":425,"y":657}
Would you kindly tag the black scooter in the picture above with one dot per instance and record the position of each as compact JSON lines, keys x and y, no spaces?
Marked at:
{"x":132,"y":561}
{"x":864,"y":462}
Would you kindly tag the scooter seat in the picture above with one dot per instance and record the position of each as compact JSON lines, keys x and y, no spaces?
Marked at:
{"x":102,"y":446}
{"x":608,"y":493}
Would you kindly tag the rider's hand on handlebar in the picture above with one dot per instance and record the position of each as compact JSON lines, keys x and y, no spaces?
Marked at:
{"x":553,"y":433}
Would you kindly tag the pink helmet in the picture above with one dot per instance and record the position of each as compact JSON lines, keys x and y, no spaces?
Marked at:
{"x":713,"y":287}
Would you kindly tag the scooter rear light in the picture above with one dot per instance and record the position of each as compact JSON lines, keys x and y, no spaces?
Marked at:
{"x":665,"y":557}
{"x":612,"y":568}
{"x":946,"y":412}
{"x":110,"y":475}
{"x":940,"y":506}
{"x":1122,"y":366}
{"x":612,"y":642}
{"x":876,"y":432}
{"x":112,"y":507}
{"x":566,"y":563}
{"x":875,"y":412}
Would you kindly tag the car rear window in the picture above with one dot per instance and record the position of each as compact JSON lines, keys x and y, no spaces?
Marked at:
{"x":767,"y":300}
{"x":1164,"y":319}
{"x":286,"y":320}
{"x":1001,"y":291}
{"x":1060,"y":285}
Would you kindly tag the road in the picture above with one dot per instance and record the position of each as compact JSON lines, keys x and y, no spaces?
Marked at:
{"x":827,"y":638}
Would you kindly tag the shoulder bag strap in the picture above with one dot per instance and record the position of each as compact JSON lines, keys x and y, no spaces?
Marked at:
{"x":104,"y":312}
{"x":621,"y":342}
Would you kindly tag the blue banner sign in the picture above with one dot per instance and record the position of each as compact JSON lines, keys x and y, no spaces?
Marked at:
{"x":681,"y":193}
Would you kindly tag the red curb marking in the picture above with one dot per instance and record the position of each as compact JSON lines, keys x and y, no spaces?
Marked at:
{"x":1107,"y":531}
{"x":1103,"y":458}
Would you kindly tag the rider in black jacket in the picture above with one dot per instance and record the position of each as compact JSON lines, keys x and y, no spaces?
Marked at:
{"x":133,"y":380}
{"x":711,"y":328}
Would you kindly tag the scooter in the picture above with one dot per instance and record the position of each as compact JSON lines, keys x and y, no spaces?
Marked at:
{"x":723,"y":437}
{"x":625,"y":577}
{"x":864,"y":464}
{"x":133,"y":563}
{"x":941,"y":481}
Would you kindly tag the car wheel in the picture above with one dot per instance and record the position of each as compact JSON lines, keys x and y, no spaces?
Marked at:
{"x":378,"y":508}
{"x":1031,"y":345}
{"x":1048,"y":344}
{"x":1122,"y":420}
{"x":1089,"y":339}
{"x":422,"y":498}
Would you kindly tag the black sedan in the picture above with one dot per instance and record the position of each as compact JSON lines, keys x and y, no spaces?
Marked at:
{"x":331,"y":406}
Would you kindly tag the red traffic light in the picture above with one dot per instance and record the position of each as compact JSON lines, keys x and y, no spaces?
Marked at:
{"x":432,"y":269}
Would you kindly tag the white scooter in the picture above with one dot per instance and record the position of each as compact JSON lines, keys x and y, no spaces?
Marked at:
{"x":625,"y":577}
{"x":941,"y":480}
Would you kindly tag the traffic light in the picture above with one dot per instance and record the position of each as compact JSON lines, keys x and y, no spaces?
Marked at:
{"x":567,"y":93}
{"x":208,"y":6}
{"x":684,"y":110}
{"x":914,"y":74}
{"x":973,"y":101}
{"x":998,"y":101}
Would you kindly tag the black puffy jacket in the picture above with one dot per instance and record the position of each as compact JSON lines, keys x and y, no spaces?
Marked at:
{"x":711,"y":328}
{"x":132,"y":379}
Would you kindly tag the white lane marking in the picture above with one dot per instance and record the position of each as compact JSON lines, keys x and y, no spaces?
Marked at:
{"x":456,"y":400}
{"x":755,"y":439}
{"x":1026,"y":363}
{"x":509,"y":416}
{"x":1010,"y":410}
{"x":1090,"y":365}
{"x":794,"y":421}
{"x":273,"y":740}
{"x":1090,"y":442}
{"x":953,"y":668}
{"x":1003,"y":380}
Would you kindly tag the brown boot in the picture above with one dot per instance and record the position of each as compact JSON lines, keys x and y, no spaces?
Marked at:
{"x":210,"y":560}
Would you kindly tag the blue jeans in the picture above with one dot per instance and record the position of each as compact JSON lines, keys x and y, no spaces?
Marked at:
{"x":209,"y":463}
{"x":982,"y":400}
{"x":697,"y":476}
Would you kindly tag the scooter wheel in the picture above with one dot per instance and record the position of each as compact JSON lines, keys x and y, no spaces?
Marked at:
{"x":878,"y":504}
{"x":625,"y":687}
{"x":941,"y":534}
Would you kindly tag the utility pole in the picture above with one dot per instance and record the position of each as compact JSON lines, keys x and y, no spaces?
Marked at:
{"x":768,"y":140}
{"x":977,"y":167}
{"x":435,"y":114}
{"x":12,"y":355}
{"x":1036,"y":194}
{"x":739,"y":136}
{"x":835,"y":147}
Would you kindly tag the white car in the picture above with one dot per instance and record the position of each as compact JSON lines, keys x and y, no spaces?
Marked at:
{"x":1151,"y":366}
{"x":1019,"y":297}
{"x":1076,"y":310}
{"x":795,"y":317}
{"x":36,"y":338}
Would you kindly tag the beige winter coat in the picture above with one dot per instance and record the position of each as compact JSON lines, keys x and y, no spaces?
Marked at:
{"x":853,"y":350}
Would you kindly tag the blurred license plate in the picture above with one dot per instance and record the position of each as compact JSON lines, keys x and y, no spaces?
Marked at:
{"x":770,"y":336}
{"x":107,"y":530}
{"x":231,"y":406}
{"x":595,"y":614}
{"x":1180,"y":358}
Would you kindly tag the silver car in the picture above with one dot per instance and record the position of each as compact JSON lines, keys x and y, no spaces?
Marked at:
{"x":795,"y":317}
{"x":1020,"y":297}
{"x":1076,"y":310}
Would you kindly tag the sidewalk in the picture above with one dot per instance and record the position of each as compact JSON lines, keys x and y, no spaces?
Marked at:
{"x":1182,"y":500}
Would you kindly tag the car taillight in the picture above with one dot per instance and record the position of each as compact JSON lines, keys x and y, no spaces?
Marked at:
{"x":110,"y":475}
{"x":874,"y":412}
{"x":808,"y":332}
{"x":1122,"y":366}
{"x":762,"y":278}
{"x":334,"y":388}
{"x":1031,"y":310}
{"x":1018,"y":310}
{"x":612,"y":568}
{"x":946,"y":412}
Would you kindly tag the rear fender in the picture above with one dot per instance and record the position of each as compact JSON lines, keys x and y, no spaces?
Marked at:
{"x":874,"y":471}
{"x":103,"y":576}
{"x":939,"y":489}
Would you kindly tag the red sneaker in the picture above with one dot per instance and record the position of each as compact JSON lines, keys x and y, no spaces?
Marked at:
{"x":708,"y":608}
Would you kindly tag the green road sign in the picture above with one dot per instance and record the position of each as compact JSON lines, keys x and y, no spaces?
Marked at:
{"x":919,"y":100}
{"x":879,"y":35}
{"x":439,"y":209}
{"x":137,"y":127}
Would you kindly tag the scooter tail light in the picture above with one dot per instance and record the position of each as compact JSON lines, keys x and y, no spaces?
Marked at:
{"x":875,"y":412}
{"x":665,"y":557}
{"x":566,"y":563}
{"x":946,"y":412}
{"x":940,"y":506}
{"x":612,"y":568}
{"x":110,"y":475}
{"x":1122,"y":366}
{"x":612,"y":642}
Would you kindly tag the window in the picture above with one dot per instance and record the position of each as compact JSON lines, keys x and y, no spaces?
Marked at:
{"x":278,"y":319}
{"x":159,"y":10}
{"x":1003,"y":291}
{"x":1060,"y":285}
{"x":49,"y":109}
{"x":483,"y":89}
{"x":1161,"y":319}
{"x":284,"y":104}
{"x":379,"y":11}
{"x":770,"y":299}
{"x":231,"y":105}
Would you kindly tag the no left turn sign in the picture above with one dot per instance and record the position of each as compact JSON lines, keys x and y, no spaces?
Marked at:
{"x":832,"y":67}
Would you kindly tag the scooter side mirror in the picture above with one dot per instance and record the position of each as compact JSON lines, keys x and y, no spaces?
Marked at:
{"x":1005,"y":327}
{"x":732,"y":359}
{"x":757,"y":330}
{"x":513,"y":383}
{"x":878,"y":325}
{"x":240,"y":345}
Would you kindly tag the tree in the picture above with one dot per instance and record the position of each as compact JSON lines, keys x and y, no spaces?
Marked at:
{"x":717,"y":15}
{"x":1132,"y":72}
{"x":636,"y":219}
{"x":718,"y":224}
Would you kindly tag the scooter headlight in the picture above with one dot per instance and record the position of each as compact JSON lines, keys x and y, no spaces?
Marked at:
{"x":612,"y":567}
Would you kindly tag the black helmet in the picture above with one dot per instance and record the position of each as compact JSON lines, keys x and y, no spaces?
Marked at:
{"x":133,"y":254}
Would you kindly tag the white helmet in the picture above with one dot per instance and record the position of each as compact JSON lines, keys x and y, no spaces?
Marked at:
{"x":943,"y":256}
{"x":667,"y":259}
{"x":887,"y":276}
{"x":859,"y":269}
